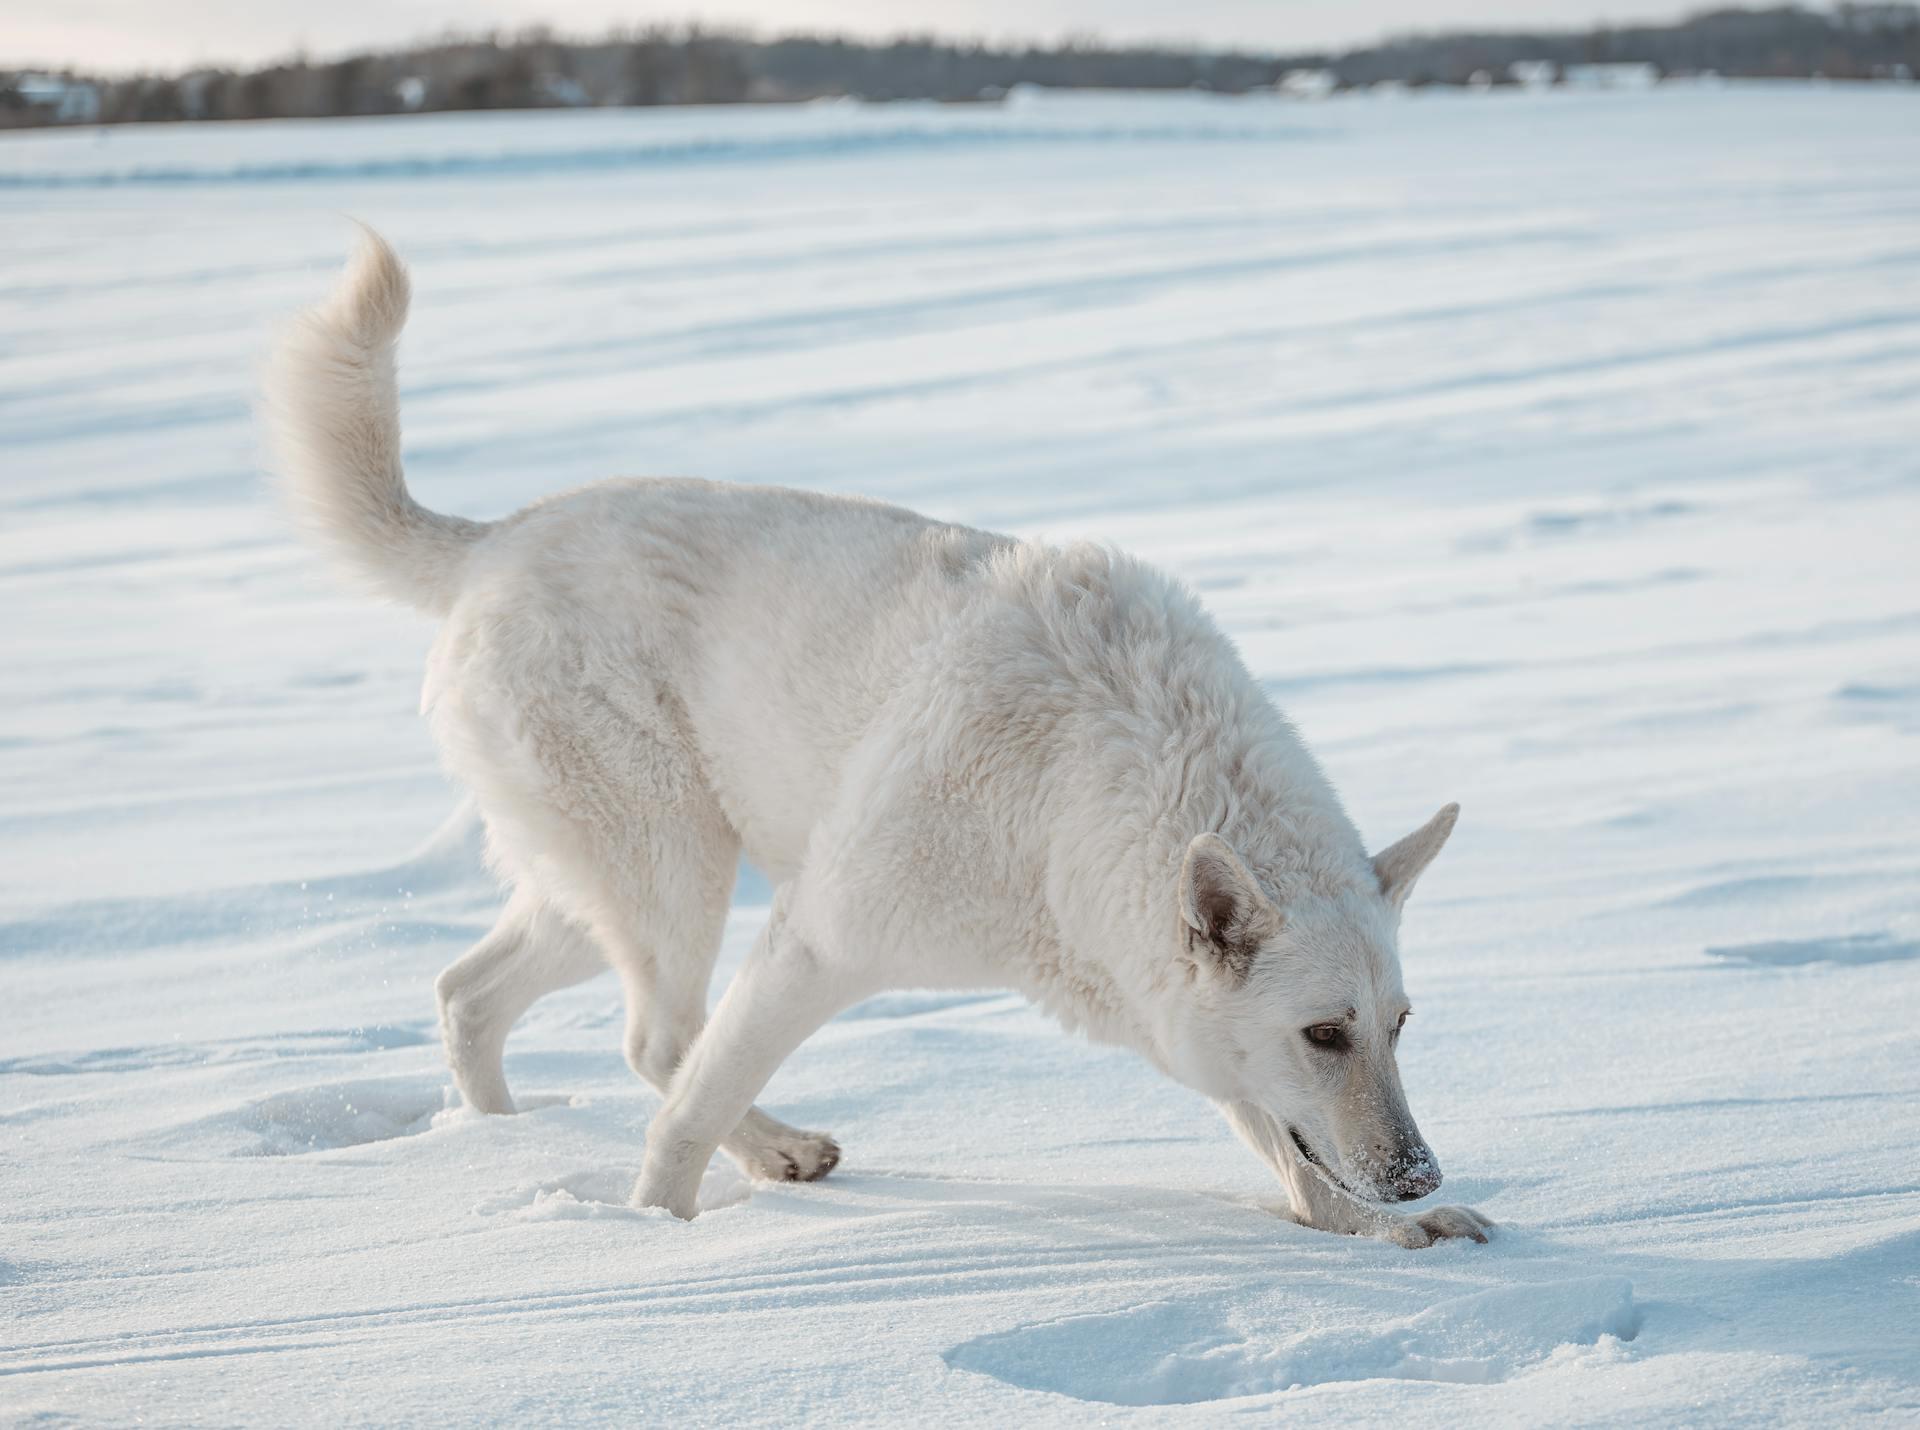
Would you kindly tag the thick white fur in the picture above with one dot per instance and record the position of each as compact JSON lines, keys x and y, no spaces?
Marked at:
{"x":964,"y":761}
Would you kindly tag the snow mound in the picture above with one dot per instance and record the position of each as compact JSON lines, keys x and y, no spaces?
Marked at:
{"x":1877,"y":947}
{"x":211,"y":1052}
{"x":1170,"y":1353}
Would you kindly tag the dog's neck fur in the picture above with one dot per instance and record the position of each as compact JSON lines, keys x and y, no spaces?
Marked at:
{"x":1192,"y":745}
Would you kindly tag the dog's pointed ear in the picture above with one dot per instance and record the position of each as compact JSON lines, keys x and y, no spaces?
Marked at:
{"x":1228,"y":915}
{"x":1398,"y":866}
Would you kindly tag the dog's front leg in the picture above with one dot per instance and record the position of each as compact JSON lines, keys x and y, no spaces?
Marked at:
{"x":1319,"y":1202}
{"x":785,"y":992}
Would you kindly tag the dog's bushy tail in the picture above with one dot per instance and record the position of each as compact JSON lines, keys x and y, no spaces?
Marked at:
{"x":333,"y":418}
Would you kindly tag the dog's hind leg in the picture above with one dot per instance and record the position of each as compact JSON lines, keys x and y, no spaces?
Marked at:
{"x":530,"y":952}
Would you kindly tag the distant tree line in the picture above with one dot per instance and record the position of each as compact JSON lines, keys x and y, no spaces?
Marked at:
{"x":1850,"y":42}
{"x":534,"y":69}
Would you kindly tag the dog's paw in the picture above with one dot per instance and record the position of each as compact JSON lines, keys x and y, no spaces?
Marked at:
{"x":668,"y":1194}
{"x":801,"y":1157}
{"x":1438,"y":1224}
{"x":670,"y":1175}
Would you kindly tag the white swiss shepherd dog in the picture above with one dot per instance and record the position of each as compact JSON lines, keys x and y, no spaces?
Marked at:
{"x":965,"y":761}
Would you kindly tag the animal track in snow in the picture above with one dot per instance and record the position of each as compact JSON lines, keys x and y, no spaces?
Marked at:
{"x":1877,"y":947}
{"x":349,"y":1114}
{"x":1180,"y":1353}
{"x":1761,"y":889}
{"x":1892,"y":699}
{"x":330,"y":1116}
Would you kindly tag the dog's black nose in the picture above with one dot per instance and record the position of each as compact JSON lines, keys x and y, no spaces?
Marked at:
{"x":1413,"y":1175}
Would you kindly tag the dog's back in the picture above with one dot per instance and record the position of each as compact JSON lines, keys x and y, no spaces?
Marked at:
{"x":669,"y":631}
{"x":632,"y":646}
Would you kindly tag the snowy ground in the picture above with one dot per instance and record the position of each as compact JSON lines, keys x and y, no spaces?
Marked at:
{"x":1555,"y":454}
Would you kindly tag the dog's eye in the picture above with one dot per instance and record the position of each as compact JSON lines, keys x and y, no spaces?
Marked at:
{"x":1401,"y":1024}
{"x":1330,"y":1036}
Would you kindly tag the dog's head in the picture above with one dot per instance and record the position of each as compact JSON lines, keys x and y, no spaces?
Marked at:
{"x":1298,"y":1009}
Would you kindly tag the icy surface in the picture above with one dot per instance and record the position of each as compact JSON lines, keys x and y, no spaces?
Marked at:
{"x":1554,"y":454}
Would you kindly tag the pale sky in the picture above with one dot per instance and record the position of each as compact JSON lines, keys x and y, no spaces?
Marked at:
{"x":173,"y":34}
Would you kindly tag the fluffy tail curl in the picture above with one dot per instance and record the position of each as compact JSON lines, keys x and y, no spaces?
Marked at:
{"x":333,"y":419}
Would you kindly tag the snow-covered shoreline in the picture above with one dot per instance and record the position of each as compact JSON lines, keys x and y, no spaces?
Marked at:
{"x":1550,"y":454}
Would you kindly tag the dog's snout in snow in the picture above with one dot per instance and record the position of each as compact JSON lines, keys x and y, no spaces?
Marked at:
{"x":1413,"y":1175}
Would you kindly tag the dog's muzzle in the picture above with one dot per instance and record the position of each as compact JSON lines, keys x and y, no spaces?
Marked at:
{"x":1408,"y":1177}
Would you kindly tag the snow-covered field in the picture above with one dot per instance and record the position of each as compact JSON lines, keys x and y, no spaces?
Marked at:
{"x":1555,"y":454}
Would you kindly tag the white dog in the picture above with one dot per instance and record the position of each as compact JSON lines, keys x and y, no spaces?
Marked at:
{"x":965,"y":761}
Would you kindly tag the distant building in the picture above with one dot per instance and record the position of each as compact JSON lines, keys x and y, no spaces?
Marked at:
{"x":1616,"y":76}
{"x":1873,"y":19}
{"x":64,"y":101}
{"x":1308,"y":84}
{"x":563,"y":90}
{"x":1534,"y":74}
{"x":191,"y":92}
